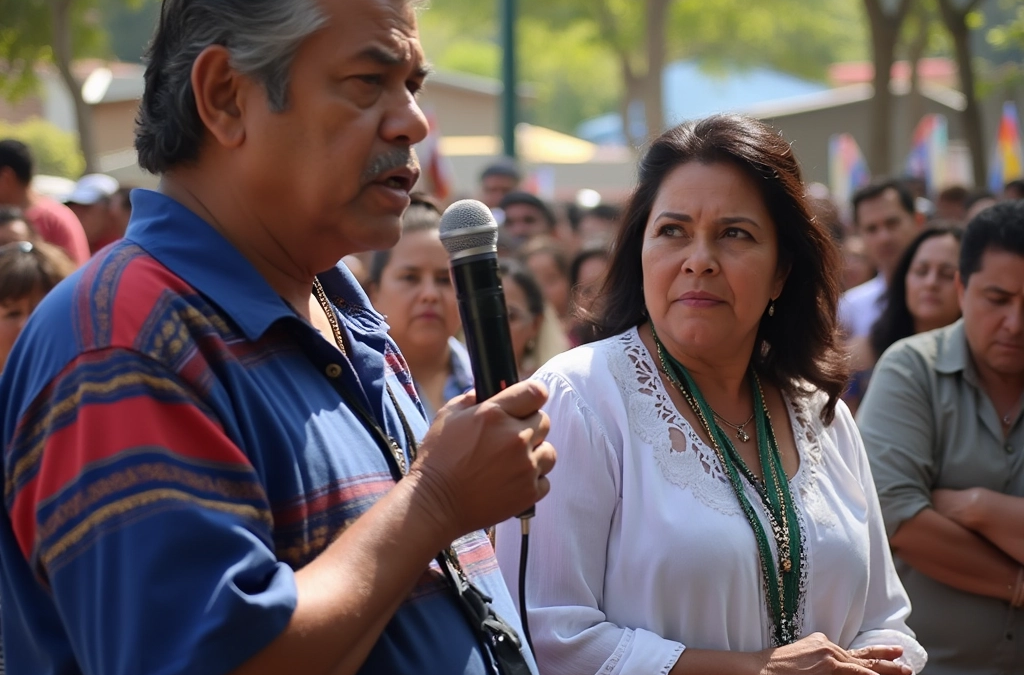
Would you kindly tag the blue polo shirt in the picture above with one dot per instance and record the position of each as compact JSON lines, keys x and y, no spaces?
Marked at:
{"x":175,"y":446}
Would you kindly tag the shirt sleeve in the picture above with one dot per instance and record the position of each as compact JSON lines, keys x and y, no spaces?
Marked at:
{"x":887,"y":605}
{"x":568,"y":555}
{"x":896,"y":421}
{"x":144,"y":521}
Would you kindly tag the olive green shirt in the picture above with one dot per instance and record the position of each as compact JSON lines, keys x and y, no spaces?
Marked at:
{"x":927,"y":424}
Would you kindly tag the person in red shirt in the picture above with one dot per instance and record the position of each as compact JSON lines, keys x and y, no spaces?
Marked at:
{"x":54,"y":222}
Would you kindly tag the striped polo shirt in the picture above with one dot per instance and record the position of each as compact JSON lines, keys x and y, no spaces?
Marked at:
{"x":175,"y":446}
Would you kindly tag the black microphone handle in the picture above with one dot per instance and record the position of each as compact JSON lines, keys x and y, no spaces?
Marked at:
{"x":481,"y":300}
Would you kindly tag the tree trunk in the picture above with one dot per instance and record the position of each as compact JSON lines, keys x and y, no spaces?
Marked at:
{"x":60,"y":12}
{"x":956,"y":24}
{"x":654,"y":109}
{"x":885,"y":31}
{"x":915,"y":102}
{"x":632,"y":91}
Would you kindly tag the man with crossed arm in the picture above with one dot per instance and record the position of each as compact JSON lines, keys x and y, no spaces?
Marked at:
{"x":943,"y":426}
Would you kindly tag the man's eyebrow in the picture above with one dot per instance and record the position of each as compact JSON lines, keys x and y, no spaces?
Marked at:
{"x":384,"y":57}
{"x":391,"y":58}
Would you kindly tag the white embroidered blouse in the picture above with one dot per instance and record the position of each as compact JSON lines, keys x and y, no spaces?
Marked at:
{"x":641,"y":549}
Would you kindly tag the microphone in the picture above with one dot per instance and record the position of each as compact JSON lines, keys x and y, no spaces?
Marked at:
{"x":470,"y":235}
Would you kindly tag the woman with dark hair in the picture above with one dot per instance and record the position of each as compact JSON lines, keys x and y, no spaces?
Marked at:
{"x":586,"y":276}
{"x":411,"y":286}
{"x":921,"y":297}
{"x":547,"y":258}
{"x":712,"y":510}
{"x":533,"y":324}
{"x":28,"y":271}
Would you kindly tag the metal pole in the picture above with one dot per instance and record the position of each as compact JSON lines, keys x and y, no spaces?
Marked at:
{"x":509,"y":115}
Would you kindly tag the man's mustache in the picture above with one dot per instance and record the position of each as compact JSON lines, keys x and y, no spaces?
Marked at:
{"x":400,"y":158}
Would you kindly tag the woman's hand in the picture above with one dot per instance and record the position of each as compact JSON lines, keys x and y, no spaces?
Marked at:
{"x":817,"y":655}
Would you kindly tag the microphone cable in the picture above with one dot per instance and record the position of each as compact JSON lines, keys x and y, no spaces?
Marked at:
{"x":524,"y":550}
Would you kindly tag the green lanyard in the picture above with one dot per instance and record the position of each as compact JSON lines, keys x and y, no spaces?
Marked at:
{"x":782,"y":591}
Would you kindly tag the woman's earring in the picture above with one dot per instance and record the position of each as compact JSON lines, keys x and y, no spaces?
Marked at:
{"x":771,"y":308}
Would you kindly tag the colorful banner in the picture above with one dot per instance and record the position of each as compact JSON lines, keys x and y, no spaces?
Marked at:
{"x":928,"y":152}
{"x":848,"y":170}
{"x":1008,"y":161}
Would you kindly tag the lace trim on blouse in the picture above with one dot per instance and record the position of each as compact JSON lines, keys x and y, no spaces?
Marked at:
{"x":689,"y":463}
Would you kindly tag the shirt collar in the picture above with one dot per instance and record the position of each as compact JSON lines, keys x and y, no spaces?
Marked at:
{"x":193,"y":250}
{"x":953,"y":354}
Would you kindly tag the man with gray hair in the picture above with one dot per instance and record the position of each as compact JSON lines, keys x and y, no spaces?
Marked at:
{"x":214,"y":457}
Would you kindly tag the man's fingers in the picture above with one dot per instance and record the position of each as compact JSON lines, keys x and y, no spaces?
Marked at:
{"x":521,"y":399}
{"x":544,"y":457}
{"x":543,"y":488}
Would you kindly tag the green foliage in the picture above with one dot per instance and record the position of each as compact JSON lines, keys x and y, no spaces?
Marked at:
{"x":567,"y":66}
{"x":55,"y":151}
{"x":571,"y":50}
{"x":1009,"y":34}
{"x":129,"y":25}
{"x":26,"y":36}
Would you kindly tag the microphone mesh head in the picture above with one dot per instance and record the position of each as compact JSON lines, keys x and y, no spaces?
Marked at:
{"x":468,"y":224}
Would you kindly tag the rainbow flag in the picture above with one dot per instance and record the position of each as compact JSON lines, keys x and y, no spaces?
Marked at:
{"x":927,"y":157}
{"x":1008,"y":161}
{"x":848,"y":169}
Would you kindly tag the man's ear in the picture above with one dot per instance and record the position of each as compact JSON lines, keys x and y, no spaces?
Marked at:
{"x":218,"y":89}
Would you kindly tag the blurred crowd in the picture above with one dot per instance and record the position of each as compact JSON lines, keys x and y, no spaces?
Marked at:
{"x":899,"y":245}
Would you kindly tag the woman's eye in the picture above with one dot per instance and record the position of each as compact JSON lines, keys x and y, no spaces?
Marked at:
{"x":736,"y":233}
{"x":670,"y":231}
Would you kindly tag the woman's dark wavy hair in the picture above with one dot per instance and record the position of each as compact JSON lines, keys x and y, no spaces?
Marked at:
{"x":895,"y":322}
{"x":797,"y":347}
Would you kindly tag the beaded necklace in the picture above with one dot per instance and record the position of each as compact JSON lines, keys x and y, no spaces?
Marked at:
{"x":782,"y":589}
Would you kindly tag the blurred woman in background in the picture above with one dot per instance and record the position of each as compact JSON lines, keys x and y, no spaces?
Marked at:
{"x":548,"y":261}
{"x":411,"y":286}
{"x":536,"y":332}
{"x":28,"y":271}
{"x":586,"y":276}
{"x":921,"y":297}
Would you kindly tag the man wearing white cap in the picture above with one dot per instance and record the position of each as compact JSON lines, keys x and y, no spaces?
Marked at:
{"x":90,"y":200}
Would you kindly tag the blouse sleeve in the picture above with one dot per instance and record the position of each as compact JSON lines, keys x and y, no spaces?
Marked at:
{"x":887,"y":605}
{"x":568,"y":553}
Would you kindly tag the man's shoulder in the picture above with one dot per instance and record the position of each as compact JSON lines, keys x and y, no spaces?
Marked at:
{"x":109,"y":301}
{"x":122,"y":299}
{"x":921,"y":352}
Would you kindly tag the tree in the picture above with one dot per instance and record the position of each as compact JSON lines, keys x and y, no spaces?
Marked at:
{"x":792,"y":35}
{"x":885,"y":20}
{"x":958,"y":16}
{"x":55,"y":151}
{"x":56,"y":32}
{"x":641,"y":74}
